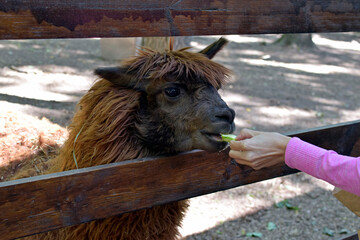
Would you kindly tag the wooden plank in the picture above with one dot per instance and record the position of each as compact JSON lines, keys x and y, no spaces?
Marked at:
{"x":352,"y":236}
{"x":43,"y":203}
{"x":138,"y":18}
{"x":343,"y":138}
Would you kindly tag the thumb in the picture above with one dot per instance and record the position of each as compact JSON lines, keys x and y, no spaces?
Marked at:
{"x":238,"y":145}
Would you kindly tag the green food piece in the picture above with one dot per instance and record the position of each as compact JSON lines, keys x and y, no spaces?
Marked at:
{"x":228,"y":137}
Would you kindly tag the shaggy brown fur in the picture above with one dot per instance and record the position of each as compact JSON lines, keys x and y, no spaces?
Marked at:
{"x":105,"y":129}
{"x":108,"y":117}
{"x":182,"y":64}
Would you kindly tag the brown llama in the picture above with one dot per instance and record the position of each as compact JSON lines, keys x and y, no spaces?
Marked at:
{"x":155,"y":103}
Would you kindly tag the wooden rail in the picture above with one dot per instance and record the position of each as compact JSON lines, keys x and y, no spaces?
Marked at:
{"x":352,"y":236}
{"x":115,"y":18}
{"x":47,"y":202}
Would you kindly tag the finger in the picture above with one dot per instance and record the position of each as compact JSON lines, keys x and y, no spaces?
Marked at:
{"x":244,"y":156}
{"x":238,"y":145}
{"x":254,"y":165}
{"x":243,"y":162}
{"x":244,"y":134}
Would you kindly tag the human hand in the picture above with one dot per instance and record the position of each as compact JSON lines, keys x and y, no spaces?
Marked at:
{"x":259,"y":149}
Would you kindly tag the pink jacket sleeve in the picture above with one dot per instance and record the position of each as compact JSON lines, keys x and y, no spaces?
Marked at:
{"x":338,"y":170}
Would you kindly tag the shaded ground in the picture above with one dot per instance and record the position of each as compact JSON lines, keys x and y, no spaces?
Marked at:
{"x":273,"y":89}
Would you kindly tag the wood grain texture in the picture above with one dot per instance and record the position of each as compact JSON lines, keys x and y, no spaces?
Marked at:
{"x":138,"y":18}
{"x":57,"y":200}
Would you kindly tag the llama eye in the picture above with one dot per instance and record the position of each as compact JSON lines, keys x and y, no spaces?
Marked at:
{"x":172,"y":92}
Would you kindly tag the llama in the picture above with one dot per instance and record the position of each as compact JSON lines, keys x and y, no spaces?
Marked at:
{"x":154,"y":103}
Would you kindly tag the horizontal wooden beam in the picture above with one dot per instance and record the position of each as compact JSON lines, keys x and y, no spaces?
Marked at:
{"x":138,"y":18}
{"x":47,"y":202}
{"x":351,"y":236}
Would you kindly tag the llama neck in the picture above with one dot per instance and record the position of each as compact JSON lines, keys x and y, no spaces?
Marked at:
{"x":104,"y":128}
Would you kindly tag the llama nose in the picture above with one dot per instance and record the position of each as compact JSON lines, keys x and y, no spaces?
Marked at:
{"x":225,"y":114}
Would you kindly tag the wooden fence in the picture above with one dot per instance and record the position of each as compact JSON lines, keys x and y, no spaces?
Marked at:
{"x":48,"y":202}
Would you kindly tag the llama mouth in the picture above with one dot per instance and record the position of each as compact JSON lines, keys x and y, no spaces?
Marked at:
{"x":211,"y":142}
{"x":214,"y":136}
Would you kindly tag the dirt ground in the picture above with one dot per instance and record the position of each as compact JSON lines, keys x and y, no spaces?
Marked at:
{"x":273,"y":88}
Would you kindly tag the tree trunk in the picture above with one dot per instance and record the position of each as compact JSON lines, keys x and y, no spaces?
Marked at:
{"x":296,"y":40}
{"x":155,"y":43}
{"x":162,"y":43}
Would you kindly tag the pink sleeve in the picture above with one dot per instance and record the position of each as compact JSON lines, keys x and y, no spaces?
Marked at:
{"x":338,"y":170}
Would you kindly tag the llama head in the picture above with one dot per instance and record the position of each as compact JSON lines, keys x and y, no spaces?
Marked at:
{"x":180,"y":108}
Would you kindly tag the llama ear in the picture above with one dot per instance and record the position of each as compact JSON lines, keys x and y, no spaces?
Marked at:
{"x":117,"y":75}
{"x":211,"y":50}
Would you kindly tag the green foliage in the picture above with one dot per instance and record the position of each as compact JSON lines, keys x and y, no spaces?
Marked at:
{"x":344,"y":231}
{"x":271,"y":226}
{"x":286,"y":204}
{"x":328,"y":232}
{"x":254,"y":234}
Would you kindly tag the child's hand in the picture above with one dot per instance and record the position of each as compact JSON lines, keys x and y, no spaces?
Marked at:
{"x":259,"y":149}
